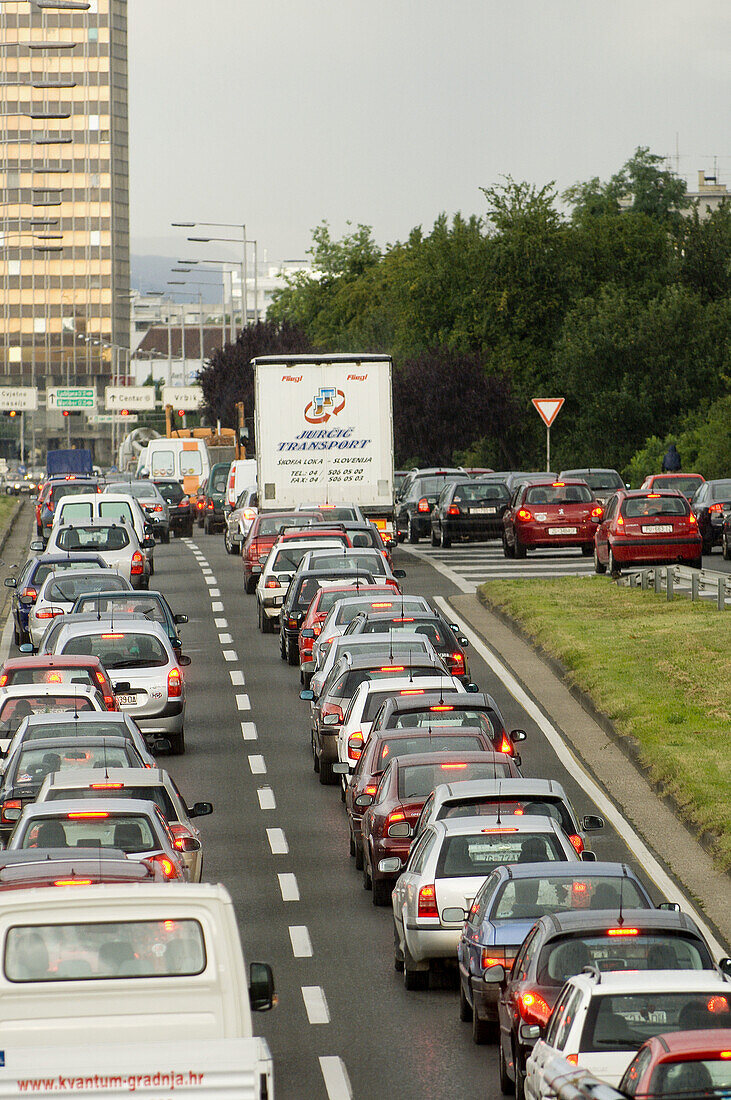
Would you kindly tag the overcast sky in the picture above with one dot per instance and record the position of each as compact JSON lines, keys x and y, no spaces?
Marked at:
{"x":283,"y":112}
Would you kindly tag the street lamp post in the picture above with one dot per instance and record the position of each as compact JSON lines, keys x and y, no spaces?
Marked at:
{"x":229,"y":240}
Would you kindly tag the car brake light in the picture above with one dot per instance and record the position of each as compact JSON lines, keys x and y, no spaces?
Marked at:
{"x":106,"y":786}
{"x":11,"y":804}
{"x":137,"y":563}
{"x":72,"y":882}
{"x":107,"y":637}
{"x":427,"y":902}
{"x":620,"y":521}
{"x":168,"y":867}
{"x":184,"y":502}
{"x":100,"y":678}
{"x":54,"y":678}
{"x":716,"y":508}
{"x":492,"y":956}
{"x":423,"y":505}
{"x":272,"y":583}
{"x":411,"y":691}
{"x":598,"y":511}
{"x":572,"y":1059}
{"x":355,"y":740}
{"x":724,"y":1054}
{"x":623,"y":931}
{"x":175,"y":683}
{"x":292,"y":623}
{"x":445,"y":766}
{"x":382,"y":604}
{"x":210,"y":505}
{"x":331,"y":708}
{"x":506,"y":745}
{"x":579,"y":887}
{"x":692,"y":518}
{"x":392,"y":668}
{"x":717,"y":1004}
{"x":499,"y":832}
{"x":524,"y":515}
{"x":453,"y":510}
{"x":86,"y":813}
{"x":249,"y":513}
{"x":577,"y":842}
{"x":49,"y":613}
{"x":371,"y":788}
{"x":441,"y":706}
{"x":653,"y":496}
{"x":533,"y":1008}
{"x":557,"y":484}
{"x":3,"y":679}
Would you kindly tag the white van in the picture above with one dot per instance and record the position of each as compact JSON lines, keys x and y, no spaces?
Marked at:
{"x":110,"y":507}
{"x":185,"y":460}
{"x":241,"y":475}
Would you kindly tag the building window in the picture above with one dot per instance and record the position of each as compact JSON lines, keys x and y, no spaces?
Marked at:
{"x":13,"y":267}
{"x":95,"y":237}
{"x":93,"y":34}
{"x":93,"y":122}
{"x":15,"y":355}
{"x":39,"y":324}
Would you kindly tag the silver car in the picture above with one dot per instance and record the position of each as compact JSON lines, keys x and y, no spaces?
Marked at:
{"x":446,"y":868}
{"x":141,"y":663}
{"x":116,"y":543}
{"x":239,"y":520}
{"x":147,"y":784}
{"x":153,"y":504}
{"x":59,"y":593}
{"x":65,"y":727}
{"x":18,"y":703}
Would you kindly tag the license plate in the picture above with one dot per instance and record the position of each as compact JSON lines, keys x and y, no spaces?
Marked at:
{"x":127,"y":700}
{"x":483,"y":511}
{"x":277,"y":601}
{"x":562,"y":530}
{"x":657,"y":529}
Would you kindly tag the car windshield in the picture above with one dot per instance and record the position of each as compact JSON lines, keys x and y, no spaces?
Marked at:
{"x":652,"y":505}
{"x":170,"y":491}
{"x":70,"y":489}
{"x":13,"y":711}
{"x":530,"y":898}
{"x":117,"y":649}
{"x":128,"y":602}
{"x":558,"y":494}
{"x":68,"y":588}
{"x":132,"y":833}
{"x":158,"y":795}
{"x":537,"y":806}
{"x":33,"y":765}
{"x":50,"y":730}
{"x":123,"y":949}
{"x":563,"y":957}
{"x":480,"y":492}
{"x":351,"y":560}
{"x":418,"y":780}
{"x":480,"y":853}
{"x":43,"y":571}
{"x":688,"y":485}
{"x":390,"y":748}
{"x":430,"y":628}
{"x":625,"y":1021}
{"x":103,"y":539}
{"x":700,"y":1078}
{"x":444,"y":714}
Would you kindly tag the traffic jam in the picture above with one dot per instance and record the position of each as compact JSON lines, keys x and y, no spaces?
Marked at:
{"x":493,"y":898}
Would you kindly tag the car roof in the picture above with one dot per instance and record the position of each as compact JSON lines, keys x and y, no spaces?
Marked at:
{"x":587,"y":920}
{"x":73,"y":805}
{"x":17,"y":691}
{"x":509,"y":788}
{"x":58,"y":559}
{"x":663,"y":981}
{"x":467,"y":701}
{"x":468,"y":756}
{"x":371,"y":660}
{"x":85,"y":777}
{"x":91,"y":740}
{"x":570,"y":870}
{"x":459,"y":826}
{"x":117,"y":717}
{"x":588,"y":470}
{"x":51,"y":660}
{"x":628,"y":493}
{"x":78,"y":624}
{"x":711,"y":1040}
{"x":423,"y":731}
{"x":29,"y":856}
{"x":401,"y":683}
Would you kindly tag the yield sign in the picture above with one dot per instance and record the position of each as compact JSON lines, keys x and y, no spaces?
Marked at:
{"x":548,"y":408}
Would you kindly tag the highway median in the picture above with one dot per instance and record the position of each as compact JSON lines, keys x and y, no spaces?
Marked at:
{"x":658,"y":671}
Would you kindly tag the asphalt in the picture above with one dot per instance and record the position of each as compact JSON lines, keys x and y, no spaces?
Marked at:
{"x":276,"y":833}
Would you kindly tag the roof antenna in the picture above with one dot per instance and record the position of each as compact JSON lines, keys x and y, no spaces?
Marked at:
{"x":620,"y":918}
{"x":499,"y":794}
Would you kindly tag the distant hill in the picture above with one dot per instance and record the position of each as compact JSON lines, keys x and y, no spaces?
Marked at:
{"x":149,"y":273}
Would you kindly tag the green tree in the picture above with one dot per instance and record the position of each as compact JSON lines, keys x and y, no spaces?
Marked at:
{"x":641,"y":185}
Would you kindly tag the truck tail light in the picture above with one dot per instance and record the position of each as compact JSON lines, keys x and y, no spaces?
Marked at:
{"x":175,"y":683}
{"x":428,"y":902}
{"x":138,"y":564}
{"x":423,"y":505}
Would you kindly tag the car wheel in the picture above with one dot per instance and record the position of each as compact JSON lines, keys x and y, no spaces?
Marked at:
{"x":707,"y":547}
{"x":207,"y":527}
{"x":382,"y":890}
{"x":358,"y":855}
{"x":507,"y":1085}
{"x":519,"y":1076}
{"x":520,"y":550}
{"x":414,"y":979}
{"x":398,"y":956}
{"x":726,"y":547}
{"x":293,"y":653}
{"x":250,"y":586}
{"x":315,"y":757}
{"x":351,"y":844}
{"x":508,"y":550}
{"x":16,"y":634}
{"x":446,"y":540}
{"x":612,"y":566}
{"x":177,"y":744}
{"x":465,"y":1008}
{"x":165,"y":536}
{"x":411,"y":534}
{"x":328,"y":777}
{"x":342,"y":792}
{"x":599,"y":566}
{"x":367,"y":883}
{"x":227,"y":541}
{"x":282,"y":647}
{"x":434,"y":539}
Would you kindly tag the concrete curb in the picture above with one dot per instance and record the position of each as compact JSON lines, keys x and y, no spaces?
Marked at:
{"x":629,"y":746}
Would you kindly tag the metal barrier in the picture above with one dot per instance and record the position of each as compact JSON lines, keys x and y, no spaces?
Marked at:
{"x":569,"y":1082}
{"x":681,"y":580}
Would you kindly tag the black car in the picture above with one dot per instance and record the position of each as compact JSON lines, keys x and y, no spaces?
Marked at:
{"x":603,"y":483}
{"x":214,"y":498}
{"x":179,"y":505}
{"x":711,"y":505}
{"x":726,"y":538}
{"x":434,"y":710}
{"x":34,"y":572}
{"x":444,"y":636}
{"x":418,"y":496}
{"x":469,"y":510}
{"x":297,"y":599}
{"x":152,"y":605}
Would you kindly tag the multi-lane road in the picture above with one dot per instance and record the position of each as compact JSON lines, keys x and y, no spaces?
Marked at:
{"x":278,"y":841}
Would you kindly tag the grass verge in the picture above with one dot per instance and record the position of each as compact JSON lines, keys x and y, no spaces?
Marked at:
{"x":7,"y":507}
{"x":660,"y":671}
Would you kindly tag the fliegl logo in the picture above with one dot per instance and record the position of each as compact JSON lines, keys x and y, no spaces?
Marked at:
{"x":327,"y":402}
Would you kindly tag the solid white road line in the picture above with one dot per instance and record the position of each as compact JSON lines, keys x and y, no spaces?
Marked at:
{"x":225,"y":639}
{"x":230,"y":655}
{"x":243,"y":702}
{"x":266,"y":798}
{"x":288,"y":887}
{"x":216,"y":607}
{"x":301,"y":943}
{"x":249,"y":732}
{"x":237,"y":677}
{"x":257,"y":765}
{"x":315,"y":1004}
{"x":221,"y":624}
{"x":335,"y":1075}
{"x":644,"y":856}
{"x":277,"y":842}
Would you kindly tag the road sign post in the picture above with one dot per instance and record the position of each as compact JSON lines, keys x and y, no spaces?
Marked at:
{"x":548,"y":409}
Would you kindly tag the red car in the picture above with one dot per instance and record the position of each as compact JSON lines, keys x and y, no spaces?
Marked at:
{"x":551,"y":514}
{"x":687,"y":484}
{"x":59,"y":669}
{"x":381,"y":748}
{"x":681,"y":1064}
{"x":387,"y":824}
{"x":318,"y":610}
{"x":640,"y":528}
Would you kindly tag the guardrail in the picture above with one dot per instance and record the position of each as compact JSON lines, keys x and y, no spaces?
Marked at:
{"x":570,"y":1082}
{"x":681,"y":580}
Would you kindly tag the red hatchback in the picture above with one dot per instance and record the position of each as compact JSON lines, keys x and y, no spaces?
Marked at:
{"x":681,"y":1064}
{"x":551,"y":514}
{"x":640,"y":528}
{"x":687,"y":484}
{"x":59,"y":669}
{"x":387,"y":825}
{"x":263,"y":533}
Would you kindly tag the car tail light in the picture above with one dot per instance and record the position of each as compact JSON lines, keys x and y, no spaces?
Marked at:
{"x":453,"y":510}
{"x":249,"y":513}
{"x":108,"y":637}
{"x":157,"y":508}
{"x":168,"y":867}
{"x":623,"y":931}
{"x":411,"y":691}
{"x":179,"y":833}
{"x":716,"y":508}
{"x":598,"y":511}
{"x":620,"y":524}
{"x":455,"y":658}
{"x":31,"y":592}
{"x":447,"y":766}
{"x":572,"y":1059}
{"x":392,"y":668}
{"x":717,"y":1004}
{"x":441,"y":706}
{"x":355,"y":745}
{"x":138,"y":563}
{"x":524,"y":515}
{"x":272,"y":583}
{"x":316,"y":628}
{"x":3,"y":679}
{"x":331,"y":708}
{"x":292,"y":623}
{"x":692,"y":518}
{"x":100,"y":679}
{"x":175,"y":683}
{"x":492,"y":956}
{"x":428,"y":902}
{"x":423,"y":505}
{"x":210,"y":506}
{"x":49,"y":613}
{"x":506,"y":745}
{"x":577,"y":842}
{"x":397,"y":824}
{"x":11,"y":804}
{"x":200,"y":504}
{"x":371,"y":788}
{"x":533,"y":1009}
{"x":73,"y":882}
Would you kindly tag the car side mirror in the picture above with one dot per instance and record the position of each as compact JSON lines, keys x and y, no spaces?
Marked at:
{"x":10,"y":582}
{"x":669,"y":906}
{"x":200,"y":809}
{"x":180,"y":620}
{"x":308,"y":632}
{"x":472,"y":689}
{"x":399,"y":574}
{"x":184,"y":660}
{"x":591,"y":822}
{"x":148,"y":544}
{"x":263,"y":559}
{"x":122,"y":687}
{"x":464,"y":642}
{"x":38,"y":546}
{"x":390,"y":865}
{"x":12,"y":813}
{"x":330,"y":719}
{"x":340,"y":768}
{"x":262,"y":996}
{"x":495,"y":973}
{"x":26,"y":647}
{"x":596,"y":519}
{"x":453,"y":914}
{"x":724,"y":966}
{"x":364,"y":800}
{"x":588,"y":857}
{"x":391,"y":544}
{"x":307,"y":694}
{"x":286,"y":578}
{"x":518,"y":735}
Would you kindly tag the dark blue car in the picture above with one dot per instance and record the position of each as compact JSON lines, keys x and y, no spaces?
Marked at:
{"x":31,"y":577}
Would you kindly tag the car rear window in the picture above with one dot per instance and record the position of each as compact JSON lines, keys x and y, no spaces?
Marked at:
{"x":127,"y":602}
{"x":528,"y":807}
{"x":170,"y":491}
{"x":286,"y":561}
{"x":558,"y":494}
{"x":219,"y":482}
{"x":70,"y":489}
{"x":600,"y":479}
{"x":418,"y":780}
{"x":679,"y":484}
{"x":43,"y":572}
{"x":431,"y":629}
{"x":347,"y":685}
{"x":721,"y":490}
{"x":131,"y":833}
{"x":68,"y":588}
{"x":625,"y":1021}
{"x":158,"y":795}
{"x":13,"y":711}
{"x":563,"y":957}
{"x":333,"y":513}
{"x":19,"y":677}
{"x":117,"y":649}
{"x":369,"y":560}
{"x":123,"y":949}
{"x":480,"y":492}
{"x":410,"y":746}
{"x":102,"y":539}
{"x":429,"y":486}
{"x":480,"y":853}
{"x":640,"y":507}
{"x":444,"y":714}
{"x":381,"y":605}
{"x":531,"y":898}
{"x":271,"y":525}
{"x":374,"y":702}
{"x":35,"y":764}
{"x":366,"y":538}
{"x":115,"y":510}
{"x":702,"y":1077}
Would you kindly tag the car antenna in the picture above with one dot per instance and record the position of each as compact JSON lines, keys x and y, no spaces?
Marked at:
{"x":620,"y":918}
{"x":499,"y":793}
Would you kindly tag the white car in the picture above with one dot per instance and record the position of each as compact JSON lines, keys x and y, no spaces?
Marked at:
{"x":20,"y":702}
{"x":348,"y":557}
{"x":600,"y":1020}
{"x":110,"y":507}
{"x":59,"y":593}
{"x":277,"y":571}
{"x":345,"y":611}
{"x":446,"y":868}
{"x":146,"y":784}
{"x":403,"y":646}
{"x":116,"y":543}
{"x":238,"y":520}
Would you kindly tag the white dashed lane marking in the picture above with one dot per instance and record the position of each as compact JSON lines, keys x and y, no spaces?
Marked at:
{"x":216,"y":606}
{"x":210,"y":581}
{"x":230,"y":655}
{"x":315,"y":1004}
{"x":257,"y":765}
{"x":266,"y":798}
{"x":335,"y":1075}
{"x":248,"y":731}
{"x":289,"y":887}
{"x":243,"y":702}
{"x":214,"y":592}
{"x":301,"y":943}
{"x":225,"y":639}
{"x":221,"y":624}
{"x":237,"y":677}
{"x":277,"y":842}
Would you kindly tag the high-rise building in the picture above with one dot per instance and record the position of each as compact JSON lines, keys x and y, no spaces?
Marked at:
{"x":64,"y":199}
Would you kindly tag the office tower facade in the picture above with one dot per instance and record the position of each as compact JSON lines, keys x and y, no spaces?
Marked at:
{"x":64,"y":199}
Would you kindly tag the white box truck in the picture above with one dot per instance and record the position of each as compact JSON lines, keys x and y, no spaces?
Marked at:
{"x":324,"y":433}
